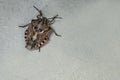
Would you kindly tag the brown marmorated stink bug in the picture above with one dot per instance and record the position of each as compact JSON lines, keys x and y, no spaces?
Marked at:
{"x":39,"y":31}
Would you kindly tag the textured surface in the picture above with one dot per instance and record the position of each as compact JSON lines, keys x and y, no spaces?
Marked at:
{"x":89,"y":48}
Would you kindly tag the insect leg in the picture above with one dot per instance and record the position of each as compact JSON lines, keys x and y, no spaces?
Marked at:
{"x":24,"y":25}
{"x":55,"y":32}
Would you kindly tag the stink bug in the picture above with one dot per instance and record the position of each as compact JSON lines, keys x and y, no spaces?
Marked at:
{"x":39,"y":31}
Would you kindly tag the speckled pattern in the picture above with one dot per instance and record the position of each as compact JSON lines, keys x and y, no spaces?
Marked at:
{"x":89,"y":48}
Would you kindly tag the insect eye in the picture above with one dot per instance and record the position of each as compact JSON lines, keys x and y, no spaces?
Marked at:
{"x":40,"y":30}
{"x":35,"y":27}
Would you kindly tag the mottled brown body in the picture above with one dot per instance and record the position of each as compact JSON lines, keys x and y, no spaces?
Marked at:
{"x":38,"y":31}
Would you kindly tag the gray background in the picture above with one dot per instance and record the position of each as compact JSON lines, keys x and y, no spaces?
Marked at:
{"x":89,"y":48}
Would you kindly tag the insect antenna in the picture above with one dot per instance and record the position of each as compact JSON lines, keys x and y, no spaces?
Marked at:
{"x":53,"y":18}
{"x":40,"y":12}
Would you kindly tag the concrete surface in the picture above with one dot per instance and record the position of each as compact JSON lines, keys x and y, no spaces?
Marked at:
{"x":89,"y":48}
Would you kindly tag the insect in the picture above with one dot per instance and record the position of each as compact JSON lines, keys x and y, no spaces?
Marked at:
{"x":39,"y":31}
